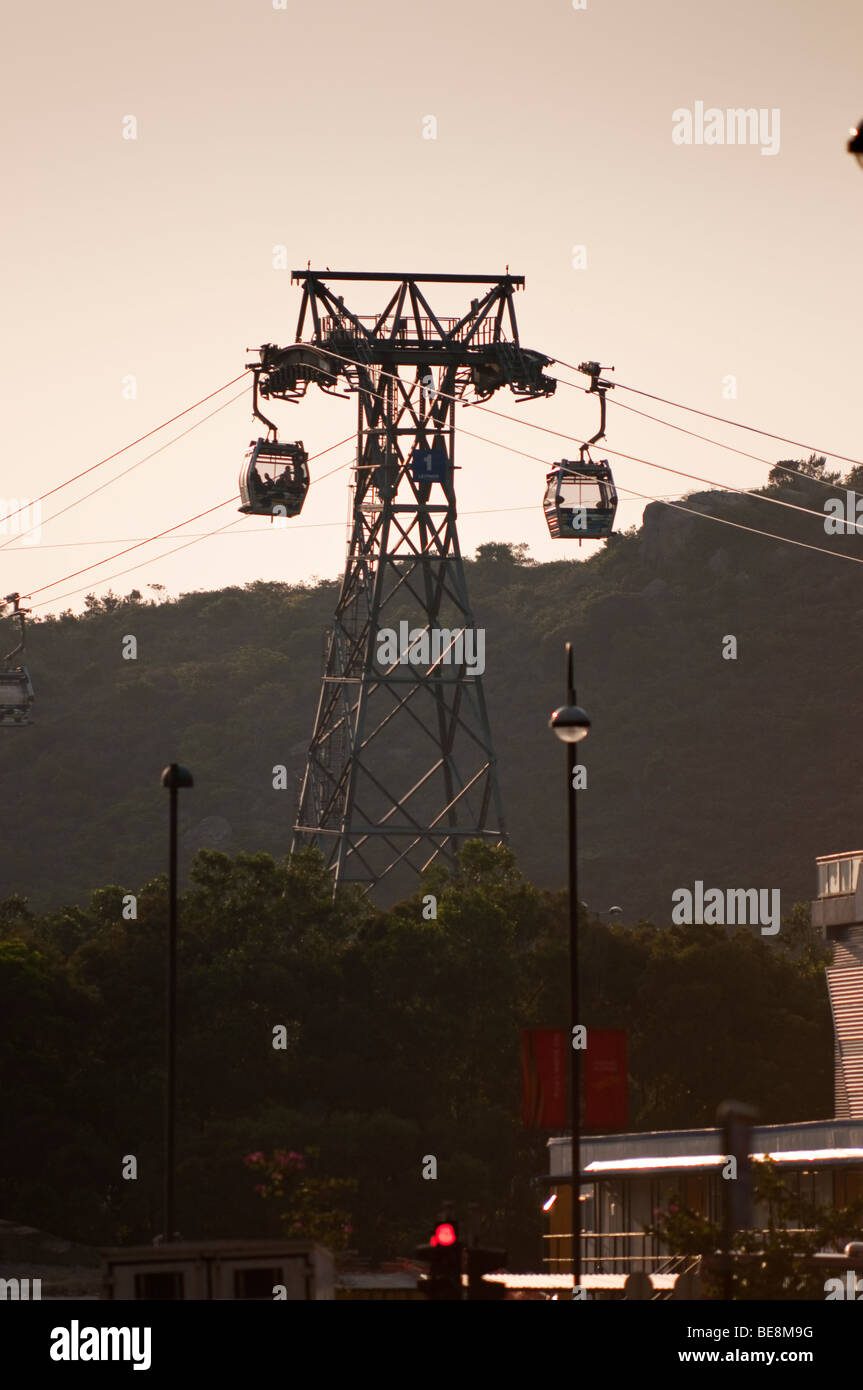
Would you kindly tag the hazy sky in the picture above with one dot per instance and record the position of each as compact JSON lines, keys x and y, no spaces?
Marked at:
{"x":302,"y":127}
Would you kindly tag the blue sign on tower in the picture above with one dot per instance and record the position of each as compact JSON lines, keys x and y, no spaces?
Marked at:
{"x":429,"y":465}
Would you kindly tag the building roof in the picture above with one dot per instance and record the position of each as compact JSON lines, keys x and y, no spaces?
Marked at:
{"x":815,"y":1143}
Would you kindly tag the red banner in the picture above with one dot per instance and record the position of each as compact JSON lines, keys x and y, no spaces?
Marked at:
{"x":543,"y":1078}
{"x":605,"y":1079}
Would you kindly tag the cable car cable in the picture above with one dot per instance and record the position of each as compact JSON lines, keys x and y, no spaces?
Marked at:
{"x":682,"y":430}
{"x":645,"y":497}
{"x":663,"y":467}
{"x":771,"y":535}
{"x":740,"y":526}
{"x":476,"y":405}
{"x":96,"y":563}
{"x":632,"y":458}
{"x":318,"y":525}
{"x":266,"y":530}
{"x":545,"y":429}
{"x":725,"y":487}
{"x":647,"y":462}
{"x":677,"y":506}
{"x":36,"y":526}
{"x":204,"y":536}
{"x":126,"y":447}
{"x":730,"y":448}
{"x":514,"y":419}
{"x":58,"y":598}
{"x":144,"y":460}
{"x":721,"y":419}
{"x":137,"y":545}
{"x":729,"y":487}
{"x":753,"y":429}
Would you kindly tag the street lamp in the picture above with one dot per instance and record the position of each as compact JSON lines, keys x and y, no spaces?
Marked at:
{"x":855,"y":144}
{"x":571,"y":725}
{"x":174,"y":777}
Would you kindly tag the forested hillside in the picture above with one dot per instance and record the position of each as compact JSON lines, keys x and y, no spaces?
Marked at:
{"x":736,"y":772}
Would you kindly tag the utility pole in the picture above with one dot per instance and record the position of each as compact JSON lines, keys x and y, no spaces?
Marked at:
{"x":173,"y":778}
{"x":571,"y":725}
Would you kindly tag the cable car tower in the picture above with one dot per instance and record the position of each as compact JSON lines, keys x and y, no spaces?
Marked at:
{"x":401,"y":768}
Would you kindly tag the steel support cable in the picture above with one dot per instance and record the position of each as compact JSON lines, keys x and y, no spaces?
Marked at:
{"x":137,"y":546}
{"x":645,"y":497}
{"x":693,"y":511}
{"x":118,"y":476}
{"x":753,"y":429}
{"x":319,"y":525}
{"x":755,"y":531}
{"x":188,"y":520}
{"x":58,"y":598}
{"x":684,"y":473}
{"x":126,"y":447}
{"x":206,"y":535}
{"x":694,"y":434}
{"x":631,"y":458}
{"x":650,"y":464}
{"x":675,"y":404}
{"x":666,"y":469}
{"x":573,"y":439}
{"x":721,"y":419}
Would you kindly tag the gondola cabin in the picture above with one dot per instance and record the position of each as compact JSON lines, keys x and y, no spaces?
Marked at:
{"x":274,"y":479}
{"x":580,"y":501}
{"x":16,"y":696}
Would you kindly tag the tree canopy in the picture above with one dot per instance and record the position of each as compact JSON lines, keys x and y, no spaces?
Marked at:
{"x":370,"y":1038}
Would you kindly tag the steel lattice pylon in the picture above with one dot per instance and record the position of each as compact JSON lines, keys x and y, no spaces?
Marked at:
{"x":401,"y":767}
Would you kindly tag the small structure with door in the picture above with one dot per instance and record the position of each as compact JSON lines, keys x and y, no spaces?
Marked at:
{"x":271,"y":1270}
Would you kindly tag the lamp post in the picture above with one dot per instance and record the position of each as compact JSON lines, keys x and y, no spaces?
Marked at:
{"x":855,"y":144}
{"x":174,"y":777}
{"x":571,"y":725}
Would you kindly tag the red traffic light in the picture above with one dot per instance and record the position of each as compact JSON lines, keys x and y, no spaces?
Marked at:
{"x":444,"y":1234}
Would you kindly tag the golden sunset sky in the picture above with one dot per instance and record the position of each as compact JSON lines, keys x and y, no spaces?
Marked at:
{"x":302,"y":127}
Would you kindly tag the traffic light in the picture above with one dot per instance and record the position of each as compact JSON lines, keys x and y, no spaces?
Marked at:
{"x":443,"y":1254}
{"x":480,"y":1262}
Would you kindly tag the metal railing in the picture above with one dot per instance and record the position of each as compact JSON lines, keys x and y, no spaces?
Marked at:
{"x":485,"y":333}
{"x":635,"y":1258}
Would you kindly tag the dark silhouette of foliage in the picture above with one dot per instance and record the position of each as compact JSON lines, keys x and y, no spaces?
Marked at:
{"x":400,"y":1036}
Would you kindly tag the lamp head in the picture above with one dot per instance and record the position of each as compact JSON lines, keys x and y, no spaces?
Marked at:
{"x":570,"y":723}
{"x":175,"y":776}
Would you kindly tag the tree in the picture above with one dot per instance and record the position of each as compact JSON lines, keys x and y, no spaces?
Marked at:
{"x":854,"y":479}
{"x":813,"y":467}
{"x":503,"y":552}
{"x":308,"y":1206}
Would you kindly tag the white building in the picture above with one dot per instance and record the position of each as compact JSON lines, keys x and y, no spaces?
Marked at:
{"x":627,"y":1178}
